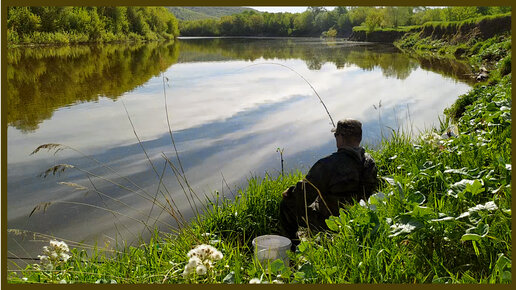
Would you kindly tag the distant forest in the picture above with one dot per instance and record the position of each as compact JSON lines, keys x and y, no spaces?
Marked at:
{"x":317,"y":21}
{"x":89,"y":24}
{"x":204,"y":12}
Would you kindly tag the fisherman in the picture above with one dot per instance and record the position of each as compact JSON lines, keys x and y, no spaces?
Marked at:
{"x":345,"y":176}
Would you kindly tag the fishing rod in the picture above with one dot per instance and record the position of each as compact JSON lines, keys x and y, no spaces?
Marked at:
{"x":313,"y":89}
{"x":300,"y":75}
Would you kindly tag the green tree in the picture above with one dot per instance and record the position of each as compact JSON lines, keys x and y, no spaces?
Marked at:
{"x":344,"y":26}
{"x":96,"y":26}
{"x":226,"y":25}
{"x":374,"y":19}
{"x":22,"y":20}
{"x":303,"y":23}
{"x":76,"y":19}
{"x":50,"y":18}
{"x":396,"y":16}
{"x":256,"y":24}
{"x":323,"y":21}
{"x":424,"y":15}
{"x":357,"y":15}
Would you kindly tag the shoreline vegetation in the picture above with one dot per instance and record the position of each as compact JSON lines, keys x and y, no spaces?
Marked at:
{"x":84,"y":25}
{"x":442,"y":213}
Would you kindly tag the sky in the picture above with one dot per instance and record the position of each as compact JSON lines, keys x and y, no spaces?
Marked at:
{"x":292,"y":9}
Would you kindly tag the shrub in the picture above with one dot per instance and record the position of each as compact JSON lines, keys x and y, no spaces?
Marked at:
{"x":12,"y":37}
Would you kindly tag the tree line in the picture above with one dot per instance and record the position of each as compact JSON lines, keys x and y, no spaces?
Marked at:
{"x":109,"y":24}
{"x":89,"y":24}
{"x":317,"y":21}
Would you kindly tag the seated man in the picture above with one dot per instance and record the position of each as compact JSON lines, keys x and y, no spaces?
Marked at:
{"x":346,"y":175}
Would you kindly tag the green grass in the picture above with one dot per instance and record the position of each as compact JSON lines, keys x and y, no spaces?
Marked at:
{"x":442,"y":215}
{"x":399,"y":28}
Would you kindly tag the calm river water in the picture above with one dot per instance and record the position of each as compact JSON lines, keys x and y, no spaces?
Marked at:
{"x":230,"y":106}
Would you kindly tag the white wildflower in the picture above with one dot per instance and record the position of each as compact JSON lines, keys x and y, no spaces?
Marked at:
{"x":55,"y":254}
{"x":65,"y":256}
{"x":43,"y":258}
{"x":25,"y":279}
{"x":201,"y":259}
{"x":255,"y":281}
{"x":194,"y":261}
{"x":217,"y":256}
{"x":62,"y":281}
{"x":277,"y":282}
{"x":201,"y":270}
{"x":186,"y":272}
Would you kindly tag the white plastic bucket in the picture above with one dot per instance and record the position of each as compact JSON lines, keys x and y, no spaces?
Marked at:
{"x":269,"y":248}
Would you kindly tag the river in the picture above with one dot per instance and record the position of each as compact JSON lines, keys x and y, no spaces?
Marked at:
{"x":231,"y":103}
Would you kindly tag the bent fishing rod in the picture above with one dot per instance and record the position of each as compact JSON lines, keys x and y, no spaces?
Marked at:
{"x":301,"y":76}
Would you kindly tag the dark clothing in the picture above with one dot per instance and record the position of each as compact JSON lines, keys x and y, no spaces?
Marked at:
{"x":346,"y":175}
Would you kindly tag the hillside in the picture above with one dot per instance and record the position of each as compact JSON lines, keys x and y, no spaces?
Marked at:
{"x":196,"y":13}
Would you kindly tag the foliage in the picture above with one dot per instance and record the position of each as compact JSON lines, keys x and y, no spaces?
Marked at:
{"x":373,"y":20}
{"x":332,"y":32}
{"x":63,"y":25}
{"x":316,"y":20}
{"x":204,"y":12}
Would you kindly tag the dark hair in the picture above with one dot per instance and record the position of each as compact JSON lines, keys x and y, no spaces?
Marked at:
{"x":351,"y":129}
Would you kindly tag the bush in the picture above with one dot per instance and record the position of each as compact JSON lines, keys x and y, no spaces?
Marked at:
{"x":76,"y":37}
{"x":331,"y":33}
{"x":12,"y":37}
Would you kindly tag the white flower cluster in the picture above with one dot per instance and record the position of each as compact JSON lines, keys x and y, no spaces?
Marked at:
{"x":201,"y":259}
{"x":260,"y":281}
{"x":54,"y":254}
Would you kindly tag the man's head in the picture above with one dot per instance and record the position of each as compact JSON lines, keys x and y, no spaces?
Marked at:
{"x":348,"y":133}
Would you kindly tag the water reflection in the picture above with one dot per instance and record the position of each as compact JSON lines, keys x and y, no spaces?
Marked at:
{"x":43,"y":79}
{"x":227,"y":117}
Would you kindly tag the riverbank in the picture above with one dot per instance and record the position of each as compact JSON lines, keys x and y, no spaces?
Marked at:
{"x":452,"y":32}
{"x":443,"y":215}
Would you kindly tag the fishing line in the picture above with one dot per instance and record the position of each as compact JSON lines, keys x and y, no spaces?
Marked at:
{"x":301,"y":76}
{"x":285,"y":66}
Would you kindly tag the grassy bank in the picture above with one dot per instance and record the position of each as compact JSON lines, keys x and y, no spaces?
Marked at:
{"x":442,"y":215}
{"x":437,"y":34}
{"x":476,"y":41}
